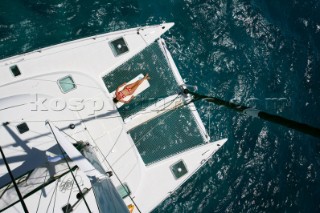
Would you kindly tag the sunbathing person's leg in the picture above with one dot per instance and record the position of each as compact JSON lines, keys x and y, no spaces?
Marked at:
{"x":134,"y":86}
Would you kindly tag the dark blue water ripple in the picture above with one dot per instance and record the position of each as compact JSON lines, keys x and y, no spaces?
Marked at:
{"x":259,"y":53}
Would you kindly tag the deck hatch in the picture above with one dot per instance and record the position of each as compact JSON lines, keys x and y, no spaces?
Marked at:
{"x":22,"y":128}
{"x":15,"y":70}
{"x":179,"y":169}
{"x":119,"y":46}
{"x":66,"y":84}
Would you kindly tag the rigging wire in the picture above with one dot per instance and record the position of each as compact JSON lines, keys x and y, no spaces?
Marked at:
{"x":163,"y":119}
{"x":45,"y":178}
{"x":170,"y":103}
{"x":105,"y":156}
{"x":55,"y":198}
{"x":137,"y":143}
{"x":54,"y":192}
{"x":72,"y":120}
{"x":71,"y":192}
{"x":75,"y":181}
{"x":70,"y":169}
{"x":69,"y":136}
{"x":13,"y":181}
{"x":304,"y":128}
{"x":109,"y":166}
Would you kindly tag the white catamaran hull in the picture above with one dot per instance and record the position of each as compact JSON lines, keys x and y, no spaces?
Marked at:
{"x":65,"y":84}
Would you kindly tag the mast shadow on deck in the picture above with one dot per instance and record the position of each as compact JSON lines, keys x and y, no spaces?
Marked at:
{"x":33,"y":157}
{"x":78,"y":123}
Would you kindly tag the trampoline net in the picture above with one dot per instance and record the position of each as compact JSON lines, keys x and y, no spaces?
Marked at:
{"x":168,"y":134}
{"x":162,"y":82}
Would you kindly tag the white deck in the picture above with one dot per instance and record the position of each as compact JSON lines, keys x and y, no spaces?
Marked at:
{"x":98,"y":123}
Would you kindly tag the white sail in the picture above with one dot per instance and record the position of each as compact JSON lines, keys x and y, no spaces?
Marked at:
{"x":75,"y":155}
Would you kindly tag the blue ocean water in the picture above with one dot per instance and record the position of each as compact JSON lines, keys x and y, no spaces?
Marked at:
{"x":261,"y":53}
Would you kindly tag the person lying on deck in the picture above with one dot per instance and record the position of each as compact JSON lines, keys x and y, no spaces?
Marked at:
{"x":128,"y":90}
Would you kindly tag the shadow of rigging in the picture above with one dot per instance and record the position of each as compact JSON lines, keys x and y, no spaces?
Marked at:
{"x":31,"y":158}
{"x":78,"y":123}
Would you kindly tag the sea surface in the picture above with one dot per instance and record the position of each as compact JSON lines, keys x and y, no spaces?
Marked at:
{"x":260,"y":53}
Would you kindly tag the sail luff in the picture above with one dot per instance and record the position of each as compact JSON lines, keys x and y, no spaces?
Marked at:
{"x":75,"y":155}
